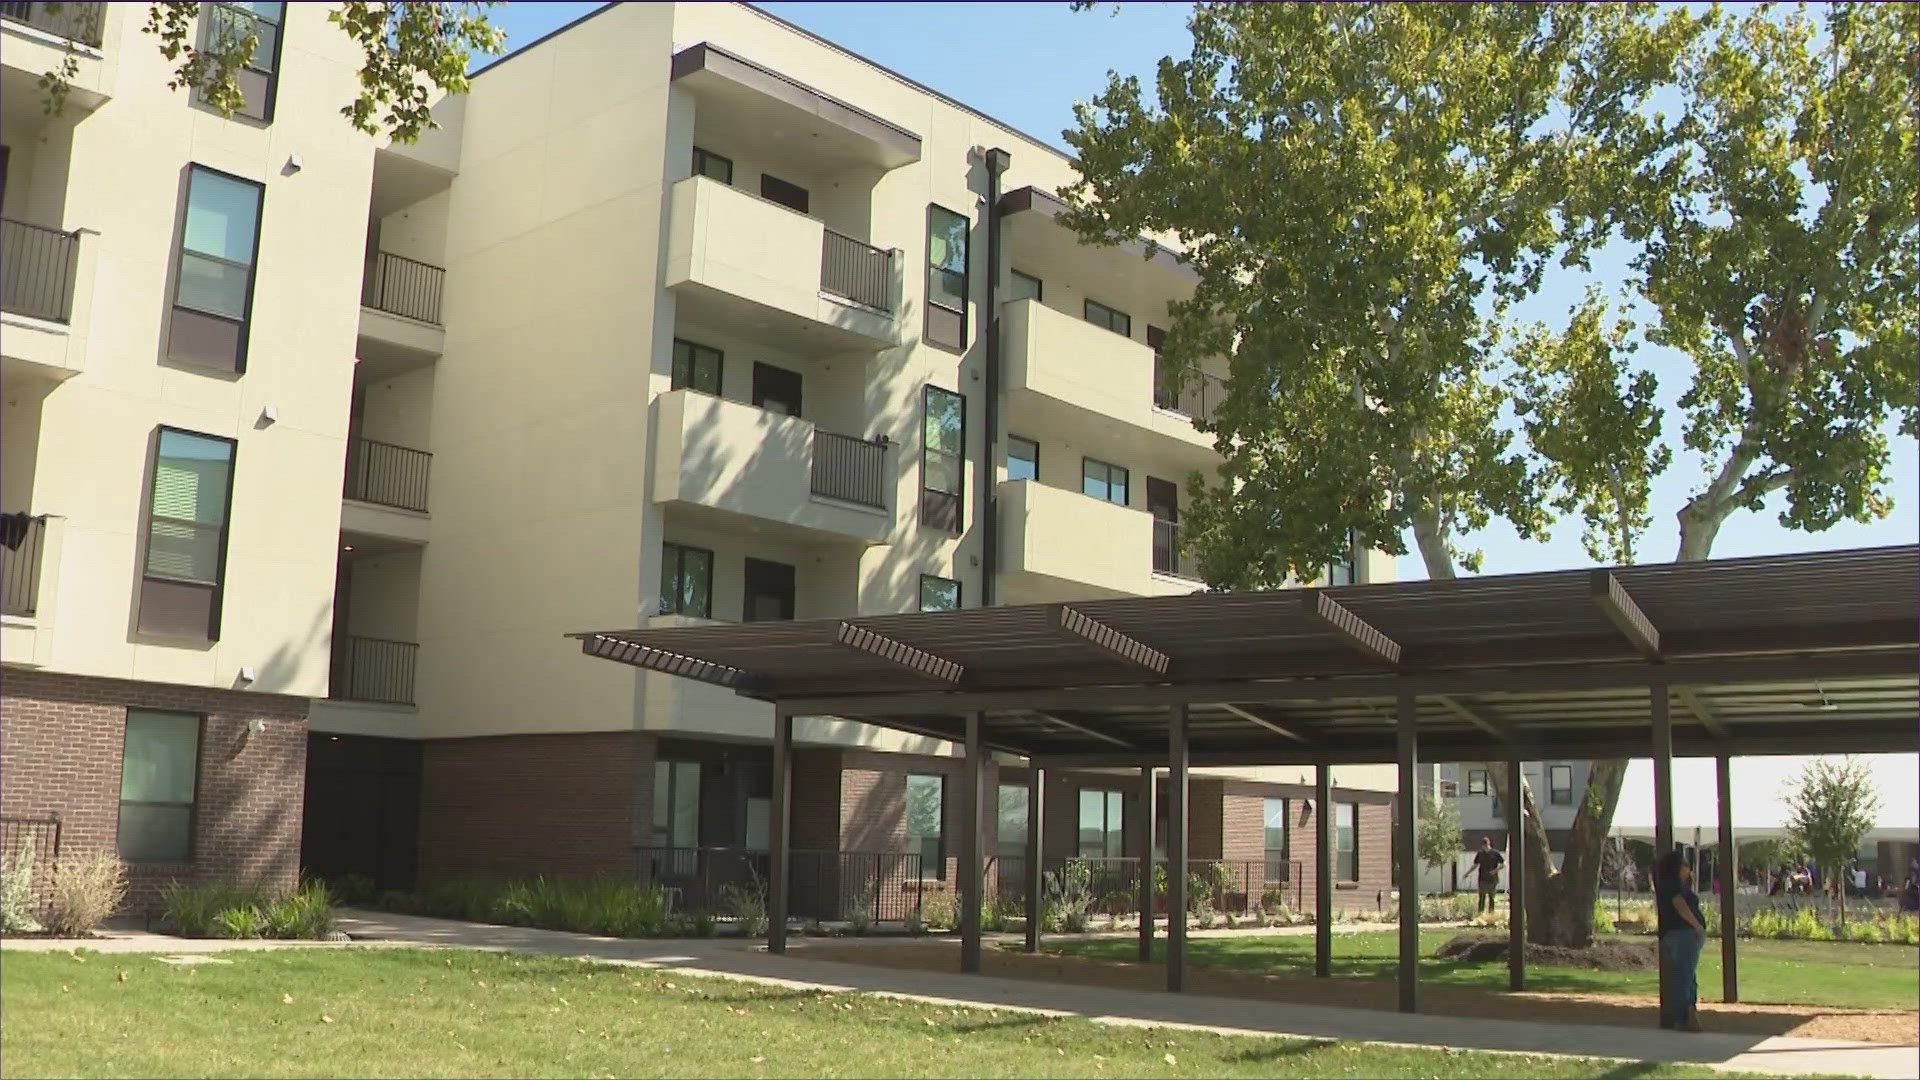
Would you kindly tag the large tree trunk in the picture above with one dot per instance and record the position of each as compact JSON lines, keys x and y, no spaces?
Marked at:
{"x":1560,"y":903}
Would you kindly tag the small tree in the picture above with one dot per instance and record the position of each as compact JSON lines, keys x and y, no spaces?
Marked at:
{"x":1437,"y":837}
{"x":1830,"y":808}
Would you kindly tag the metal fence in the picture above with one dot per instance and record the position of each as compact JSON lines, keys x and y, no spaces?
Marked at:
{"x":1193,"y":394}
{"x":390,"y":475}
{"x":43,"y":833}
{"x":859,"y":272}
{"x":848,"y":468}
{"x":20,"y":564}
{"x":75,"y":22}
{"x":830,"y":886}
{"x":373,"y":669}
{"x":37,"y":268}
{"x":403,"y":286}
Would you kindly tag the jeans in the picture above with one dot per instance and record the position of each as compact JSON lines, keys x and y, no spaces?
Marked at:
{"x":1680,"y":947}
{"x":1486,"y":902}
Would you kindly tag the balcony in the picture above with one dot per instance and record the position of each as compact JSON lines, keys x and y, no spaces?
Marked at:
{"x":1061,"y":545}
{"x":46,"y":282}
{"x":40,"y":37}
{"x":741,"y":261}
{"x":740,"y":464}
{"x":400,"y":311}
{"x":1098,"y":389}
{"x":29,"y":568}
{"x":385,"y":491}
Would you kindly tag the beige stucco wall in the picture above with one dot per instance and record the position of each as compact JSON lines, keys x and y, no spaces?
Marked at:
{"x":125,"y":165}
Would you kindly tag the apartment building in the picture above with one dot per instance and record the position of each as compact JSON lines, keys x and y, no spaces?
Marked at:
{"x":684,"y":315}
{"x":1558,"y":788}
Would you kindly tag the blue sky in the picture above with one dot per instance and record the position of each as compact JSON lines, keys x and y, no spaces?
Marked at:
{"x":1030,"y":77}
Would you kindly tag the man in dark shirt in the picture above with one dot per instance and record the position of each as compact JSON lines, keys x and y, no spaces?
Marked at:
{"x":1486,"y":865}
{"x":1683,"y":932}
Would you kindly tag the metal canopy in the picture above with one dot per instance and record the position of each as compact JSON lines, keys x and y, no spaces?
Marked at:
{"x":1796,"y":653}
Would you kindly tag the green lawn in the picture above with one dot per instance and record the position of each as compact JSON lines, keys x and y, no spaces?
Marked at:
{"x":1830,"y":973}
{"x":382,"y":1012}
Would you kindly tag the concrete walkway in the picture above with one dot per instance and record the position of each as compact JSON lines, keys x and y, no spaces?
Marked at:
{"x":737,"y":959}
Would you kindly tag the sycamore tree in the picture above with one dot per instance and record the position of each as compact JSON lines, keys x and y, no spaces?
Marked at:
{"x":414,"y":52}
{"x":1366,"y":190}
{"x":1831,"y":807}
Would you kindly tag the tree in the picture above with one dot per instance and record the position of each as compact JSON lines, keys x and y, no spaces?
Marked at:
{"x":1437,"y":836}
{"x":1435,"y":163}
{"x":411,"y":50}
{"x":1830,"y":808}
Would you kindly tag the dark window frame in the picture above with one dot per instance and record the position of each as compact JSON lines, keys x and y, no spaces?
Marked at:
{"x":959,"y":592}
{"x":935,"y":504}
{"x":1126,"y":480}
{"x":793,"y":192}
{"x":1285,"y":850}
{"x":702,"y":155}
{"x":679,"y":551}
{"x":1477,"y":782}
{"x":1035,"y":443}
{"x":193,"y":806}
{"x":790,"y":601}
{"x":1039,"y":284}
{"x":966,"y":282}
{"x":1086,"y":312}
{"x":245,"y":321}
{"x":695,"y":349}
{"x":272,"y":74}
{"x":1557,"y":795}
{"x":939,"y":839}
{"x":1112,"y":800}
{"x":1352,"y":850}
{"x":661,"y":832}
{"x":217,"y":599}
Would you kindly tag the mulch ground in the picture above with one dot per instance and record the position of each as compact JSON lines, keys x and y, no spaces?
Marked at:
{"x":1601,"y":956}
{"x":1804,"y":1021}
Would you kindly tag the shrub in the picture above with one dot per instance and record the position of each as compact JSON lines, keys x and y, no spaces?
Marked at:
{"x":86,"y":892}
{"x":351,"y":889}
{"x":240,"y":921}
{"x":1602,"y":918}
{"x":1903,"y":929}
{"x":1068,"y":897}
{"x":938,"y":909}
{"x":16,"y":893}
{"x":305,"y":913}
{"x":1870,"y":931}
{"x":1274,"y":898}
{"x":196,"y":911}
{"x":996,"y":912}
{"x":697,"y":925}
{"x":860,"y":910}
{"x":747,"y":904}
{"x":1203,"y":915}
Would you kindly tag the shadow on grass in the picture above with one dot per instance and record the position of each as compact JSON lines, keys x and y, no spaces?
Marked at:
{"x":1284,"y":1049}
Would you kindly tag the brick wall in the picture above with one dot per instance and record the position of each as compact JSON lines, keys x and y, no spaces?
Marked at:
{"x":534,"y":804}
{"x":1244,"y":842}
{"x":61,"y":738}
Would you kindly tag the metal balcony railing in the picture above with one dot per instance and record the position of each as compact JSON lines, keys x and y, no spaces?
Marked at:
{"x":20,"y":563}
{"x":888,"y":886}
{"x":373,"y":669}
{"x":386,"y":474}
{"x":859,"y":272}
{"x":851,"y":469}
{"x":37,"y":268}
{"x":80,"y":23}
{"x":1167,"y":558}
{"x":1194,"y":395}
{"x":401,"y":286}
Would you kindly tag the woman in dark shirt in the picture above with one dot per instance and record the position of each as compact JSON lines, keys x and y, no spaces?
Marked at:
{"x":1683,"y":931}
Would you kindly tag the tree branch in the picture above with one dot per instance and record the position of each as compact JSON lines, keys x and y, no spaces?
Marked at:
{"x":1759,"y":487}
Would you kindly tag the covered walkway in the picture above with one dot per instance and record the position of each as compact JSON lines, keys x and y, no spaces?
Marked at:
{"x":1796,"y":654}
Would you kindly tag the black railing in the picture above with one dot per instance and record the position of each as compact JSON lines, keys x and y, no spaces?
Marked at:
{"x":37,"y":268}
{"x":373,"y":669}
{"x":402,"y":286}
{"x":1167,"y":558}
{"x":386,"y":474}
{"x":20,"y":563}
{"x":831,"y":886}
{"x":854,"y":470}
{"x":43,"y":835}
{"x":859,"y":272}
{"x":1194,"y":395}
{"x":75,"y":22}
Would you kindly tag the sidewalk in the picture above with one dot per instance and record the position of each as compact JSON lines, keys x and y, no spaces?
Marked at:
{"x":746,"y":960}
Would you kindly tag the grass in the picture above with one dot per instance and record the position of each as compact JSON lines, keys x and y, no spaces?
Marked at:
{"x":1834,"y":974}
{"x":314,"y":1012}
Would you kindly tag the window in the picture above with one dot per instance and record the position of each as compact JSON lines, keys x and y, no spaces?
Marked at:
{"x":686,"y":581}
{"x":946,"y":277}
{"x":711,"y":165}
{"x":1101,"y":815}
{"x":258,"y":81}
{"x":186,"y":560}
{"x":1023,"y":458}
{"x":158,"y":763}
{"x":1025,"y":286}
{"x":1105,"y":482}
{"x":926,"y":801}
{"x":1346,"y":845}
{"x":776,"y":389}
{"x":1013,"y":817}
{"x":676,"y":805}
{"x":939,"y":594}
{"x":943,"y":462}
{"x":1100,"y":314}
{"x":213,"y":292}
{"x":1560,"y":785}
{"x":1279,"y":843}
{"x":1345,"y":571}
{"x":1166,"y":388}
{"x":791,"y":196}
{"x":769,"y":591}
{"x":697,"y":367}
{"x":1476,"y":781}
{"x":1449,"y":789}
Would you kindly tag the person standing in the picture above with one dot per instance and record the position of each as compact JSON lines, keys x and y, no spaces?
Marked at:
{"x":1486,"y":864}
{"x":1683,"y":933}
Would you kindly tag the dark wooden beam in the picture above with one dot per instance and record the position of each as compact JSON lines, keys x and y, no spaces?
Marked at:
{"x":918,"y":661}
{"x":1357,"y":632}
{"x":607,"y":647}
{"x":1084,"y":628}
{"x":1625,"y":615}
{"x":1264,"y":718}
{"x":1090,"y":732}
{"x":1479,"y":716}
{"x":1702,"y":710}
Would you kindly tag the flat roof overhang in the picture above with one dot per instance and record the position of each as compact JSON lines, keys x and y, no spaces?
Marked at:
{"x":1791,"y":654}
{"x":774,"y":104}
{"x":1045,"y":208}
